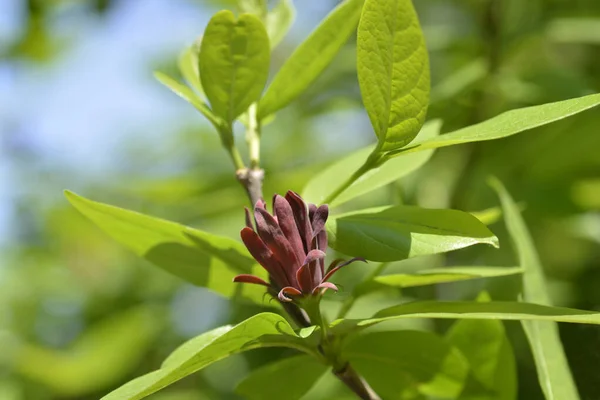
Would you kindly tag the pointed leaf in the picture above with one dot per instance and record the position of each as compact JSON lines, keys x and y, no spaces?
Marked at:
{"x":293,"y":376}
{"x":311,"y":57}
{"x":393,"y":71}
{"x":495,"y":310}
{"x":233,"y":63}
{"x":188,"y":95}
{"x":444,"y":275}
{"x":198,"y":257}
{"x":188,"y":67}
{"x":404,"y":364}
{"x":400,"y":232}
{"x":323,"y":184}
{"x":279,"y":21}
{"x":489,"y":353}
{"x":552,"y":365}
{"x":510,"y":123}
{"x":262,"y":330}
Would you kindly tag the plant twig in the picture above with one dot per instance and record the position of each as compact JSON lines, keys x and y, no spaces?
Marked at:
{"x":252,"y":181}
{"x":356,"y":383}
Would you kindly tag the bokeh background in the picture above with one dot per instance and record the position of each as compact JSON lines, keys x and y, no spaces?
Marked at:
{"x":80,"y":110}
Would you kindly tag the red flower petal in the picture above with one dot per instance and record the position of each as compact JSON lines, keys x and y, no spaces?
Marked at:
{"x":304,"y":277}
{"x":273,"y":237}
{"x":265,"y":257}
{"x":319,"y":218}
{"x":325,"y":286}
{"x":288,"y":291}
{"x":245,"y":278}
{"x":302,"y":220}
{"x":333,"y":270}
{"x":287,"y":223}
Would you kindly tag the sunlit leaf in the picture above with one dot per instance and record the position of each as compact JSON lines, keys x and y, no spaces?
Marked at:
{"x":443,"y":275}
{"x":261,"y":330}
{"x":311,"y":57}
{"x":552,"y":365}
{"x":393,"y":70}
{"x":188,"y":66}
{"x":198,"y":257}
{"x":323,"y":184}
{"x":292,"y":376}
{"x":400,"y":232}
{"x":495,"y":310}
{"x":233,"y":62}
{"x":510,"y":123}
{"x":404,"y":364}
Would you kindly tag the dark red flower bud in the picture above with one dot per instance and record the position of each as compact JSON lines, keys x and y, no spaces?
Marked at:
{"x":290,"y":245}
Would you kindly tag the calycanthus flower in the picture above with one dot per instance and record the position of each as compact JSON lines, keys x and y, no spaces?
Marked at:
{"x":290,"y":245}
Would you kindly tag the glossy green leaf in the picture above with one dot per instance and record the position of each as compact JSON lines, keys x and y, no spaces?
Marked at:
{"x":495,"y":310}
{"x":510,"y":123}
{"x":393,"y":70}
{"x":198,"y":257}
{"x":261,"y":330}
{"x":323,"y":184}
{"x":292,"y":376}
{"x":233,"y":62}
{"x":280,"y":20}
{"x":188,"y":66}
{"x":443,"y":275}
{"x":81,"y":369}
{"x":188,"y":95}
{"x":311,"y":57}
{"x":552,"y":365}
{"x":489,"y":353}
{"x":399,"y":232}
{"x":404,"y":364}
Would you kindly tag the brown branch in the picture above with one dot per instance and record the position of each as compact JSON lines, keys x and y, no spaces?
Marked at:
{"x":357,"y":384}
{"x":252,"y":181}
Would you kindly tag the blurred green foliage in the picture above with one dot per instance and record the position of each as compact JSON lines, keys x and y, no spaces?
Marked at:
{"x":79,"y":316}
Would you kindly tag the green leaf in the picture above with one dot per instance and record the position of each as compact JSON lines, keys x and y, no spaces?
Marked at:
{"x":261,"y":330}
{"x":398,"y":232}
{"x":279,"y":21}
{"x":233,"y":63}
{"x":188,"y":66}
{"x":325,"y":183}
{"x":443,"y":275}
{"x":393,"y":71}
{"x":404,"y":364}
{"x":188,"y":95}
{"x":495,"y":310}
{"x":552,"y":365}
{"x":510,"y":123}
{"x":311,"y":57}
{"x":293,"y":377}
{"x":489,"y":353}
{"x":198,"y":257}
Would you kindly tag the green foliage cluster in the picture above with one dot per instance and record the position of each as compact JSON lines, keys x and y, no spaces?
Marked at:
{"x":227,"y":72}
